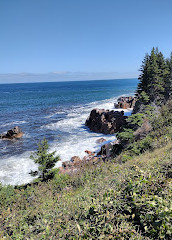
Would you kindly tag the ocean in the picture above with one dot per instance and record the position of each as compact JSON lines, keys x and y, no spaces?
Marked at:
{"x":56,"y":111}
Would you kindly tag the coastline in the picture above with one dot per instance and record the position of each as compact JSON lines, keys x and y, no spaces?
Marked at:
{"x":89,"y":144}
{"x":64,"y":128}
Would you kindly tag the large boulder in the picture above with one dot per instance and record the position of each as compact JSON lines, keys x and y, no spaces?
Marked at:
{"x":16,"y":132}
{"x":110,"y":149}
{"x":105,"y":121}
{"x":125,"y":102}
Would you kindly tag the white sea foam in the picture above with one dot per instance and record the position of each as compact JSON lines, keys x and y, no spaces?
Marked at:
{"x":76,"y":145}
{"x":14,"y":123}
{"x":15,"y":170}
{"x":55,"y":113}
{"x":81,"y":138}
{"x":27,"y":135}
{"x":76,"y":117}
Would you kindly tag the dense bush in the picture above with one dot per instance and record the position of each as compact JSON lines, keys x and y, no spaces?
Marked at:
{"x":126,"y":136}
{"x":135,"y":120}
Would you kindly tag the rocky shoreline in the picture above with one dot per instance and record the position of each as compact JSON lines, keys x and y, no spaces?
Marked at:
{"x":99,"y":121}
{"x":106,"y":122}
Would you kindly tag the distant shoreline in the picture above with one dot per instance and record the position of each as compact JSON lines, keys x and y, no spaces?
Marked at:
{"x":67,"y":81}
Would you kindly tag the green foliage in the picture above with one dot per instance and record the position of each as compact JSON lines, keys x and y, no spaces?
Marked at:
{"x":168,"y":86}
{"x":149,"y":111}
{"x":45,"y":160}
{"x":126,"y":135}
{"x":144,"y":98}
{"x":141,"y":146}
{"x":155,"y":80}
{"x":156,"y":216}
{"x":126,"y":198}
{"x":6,"y":195}
{"x":160,"y":135}
{"x":162,"y":122}
{"x":125,"y":157}
{"x":107,"y":201}
{"x":135,"y":120}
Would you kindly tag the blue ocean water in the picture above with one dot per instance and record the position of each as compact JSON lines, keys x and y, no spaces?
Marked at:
{"x":56,"y":111}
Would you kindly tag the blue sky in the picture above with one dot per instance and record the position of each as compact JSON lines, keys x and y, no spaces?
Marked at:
{"x":81,"y":37}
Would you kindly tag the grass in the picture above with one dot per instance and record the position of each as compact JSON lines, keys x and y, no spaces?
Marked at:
{"x":106,"y":201}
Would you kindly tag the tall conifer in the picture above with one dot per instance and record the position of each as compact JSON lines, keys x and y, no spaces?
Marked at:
{"x":168,"y":86}
{"x":155,"y":80}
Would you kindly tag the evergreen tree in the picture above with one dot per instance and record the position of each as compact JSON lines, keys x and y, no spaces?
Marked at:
{"x":168,"y":86}
{"x":156,"y":83}
{"x":143,"y":84}
{"x":45,"y":160}
{"x":154,"y":80}
{"x":163,"y":75}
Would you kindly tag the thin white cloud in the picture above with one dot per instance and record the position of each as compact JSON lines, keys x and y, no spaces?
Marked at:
{"x":59,"y":76}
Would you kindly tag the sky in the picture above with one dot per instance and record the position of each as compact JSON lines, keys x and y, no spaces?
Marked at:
{"x":80,"y":39}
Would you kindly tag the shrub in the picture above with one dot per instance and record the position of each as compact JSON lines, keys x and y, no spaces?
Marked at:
{"x":135,"y":120}
{"x":126,"y":135}
{"x":139,"y":147}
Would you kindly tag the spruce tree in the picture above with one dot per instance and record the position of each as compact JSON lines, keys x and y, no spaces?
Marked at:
{"x":154,"y":80}
{"x":45,"y":160}
{"x":143,"y":77}
{"x":155,"y":85}
{"x":168,"y":85}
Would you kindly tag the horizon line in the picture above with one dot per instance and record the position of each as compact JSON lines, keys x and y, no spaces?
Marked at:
{"x":134,"y":78}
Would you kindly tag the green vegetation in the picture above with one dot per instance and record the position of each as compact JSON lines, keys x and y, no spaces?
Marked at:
{"x":105,"y":201}
{"x":45,"y":160}
{"x":155,"y":84}
{"x":128,"y":197}
{"x":155,"y":131}
{"x":150,"y":125}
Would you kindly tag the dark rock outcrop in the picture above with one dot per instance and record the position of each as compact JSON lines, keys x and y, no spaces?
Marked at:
{"x":105,"y":121}
{"x":110,"y":149}
{"x":16,"y":132}
{"x":125,"y":102}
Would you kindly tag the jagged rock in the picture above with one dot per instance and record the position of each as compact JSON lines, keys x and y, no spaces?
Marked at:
{"x":75,"y":160}
{"x":110,"y":149}
{"x":106,"y":149}
{"x":89,"y":152}
{"x":67,"y":164}
{"x":105,"y":121}
{"x":100,"y":140}
{"x":16,"y":132}
{"x":125,"y":102}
